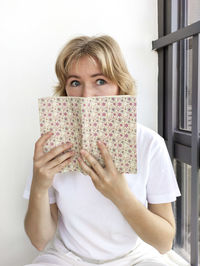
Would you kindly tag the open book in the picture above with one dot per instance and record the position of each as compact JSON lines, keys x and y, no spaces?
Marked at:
{"x":84,"y":120}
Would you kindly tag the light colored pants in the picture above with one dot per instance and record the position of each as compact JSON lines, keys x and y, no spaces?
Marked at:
{"x":142,"y":255}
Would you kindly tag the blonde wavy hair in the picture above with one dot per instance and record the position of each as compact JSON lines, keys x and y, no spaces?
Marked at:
{"x":103,"y":48}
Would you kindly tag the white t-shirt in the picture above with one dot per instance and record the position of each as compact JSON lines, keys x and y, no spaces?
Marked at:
{"x":89,"y":223}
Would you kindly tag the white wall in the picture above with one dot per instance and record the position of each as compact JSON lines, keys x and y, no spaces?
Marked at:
{"x":32,"y":34}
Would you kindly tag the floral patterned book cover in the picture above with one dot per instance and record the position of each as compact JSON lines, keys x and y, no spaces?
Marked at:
{"x":84,"y":120}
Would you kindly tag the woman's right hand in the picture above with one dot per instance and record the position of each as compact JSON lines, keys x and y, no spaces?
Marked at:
{"x":45,"y":165}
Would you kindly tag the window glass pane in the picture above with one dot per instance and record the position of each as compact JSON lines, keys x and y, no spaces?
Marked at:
{"x":193,"y":11}
{"x":185,"y":85}
{"x":183,"y":210}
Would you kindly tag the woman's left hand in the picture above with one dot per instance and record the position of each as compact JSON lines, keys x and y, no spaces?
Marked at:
{"x":107,"y":180}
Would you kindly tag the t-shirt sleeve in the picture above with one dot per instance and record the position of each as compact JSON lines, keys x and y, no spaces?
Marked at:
{"x":26,"y":194}
{"x":162,"y":186}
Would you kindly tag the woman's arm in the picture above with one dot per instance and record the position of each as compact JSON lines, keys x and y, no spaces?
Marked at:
{"x":155,"y":225}
{"x":41,"y":219}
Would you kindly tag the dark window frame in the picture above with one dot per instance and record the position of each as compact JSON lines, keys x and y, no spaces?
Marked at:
{"x":182,"y":145}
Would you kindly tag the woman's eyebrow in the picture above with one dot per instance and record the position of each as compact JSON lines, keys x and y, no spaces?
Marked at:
{"x":92,"y":76}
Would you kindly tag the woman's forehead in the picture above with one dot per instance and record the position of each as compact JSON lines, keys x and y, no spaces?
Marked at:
{"x":84,"y":64}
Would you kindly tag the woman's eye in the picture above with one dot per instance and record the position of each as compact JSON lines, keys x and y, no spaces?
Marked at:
{"x":101,"y":81}
{"x":74,"y":83}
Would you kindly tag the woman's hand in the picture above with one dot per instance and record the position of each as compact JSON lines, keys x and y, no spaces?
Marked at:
{"x":107,"y":180}
{"x":46,"y":165}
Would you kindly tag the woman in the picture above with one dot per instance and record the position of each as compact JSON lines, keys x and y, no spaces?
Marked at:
{"x":101,"y":217}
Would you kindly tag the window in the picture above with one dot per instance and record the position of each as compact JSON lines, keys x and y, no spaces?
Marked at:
{"x":193,"y":11}
{"x":178,"y":48}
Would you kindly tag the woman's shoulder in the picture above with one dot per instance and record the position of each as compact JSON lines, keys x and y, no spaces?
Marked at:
{"x":148,"y":135}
